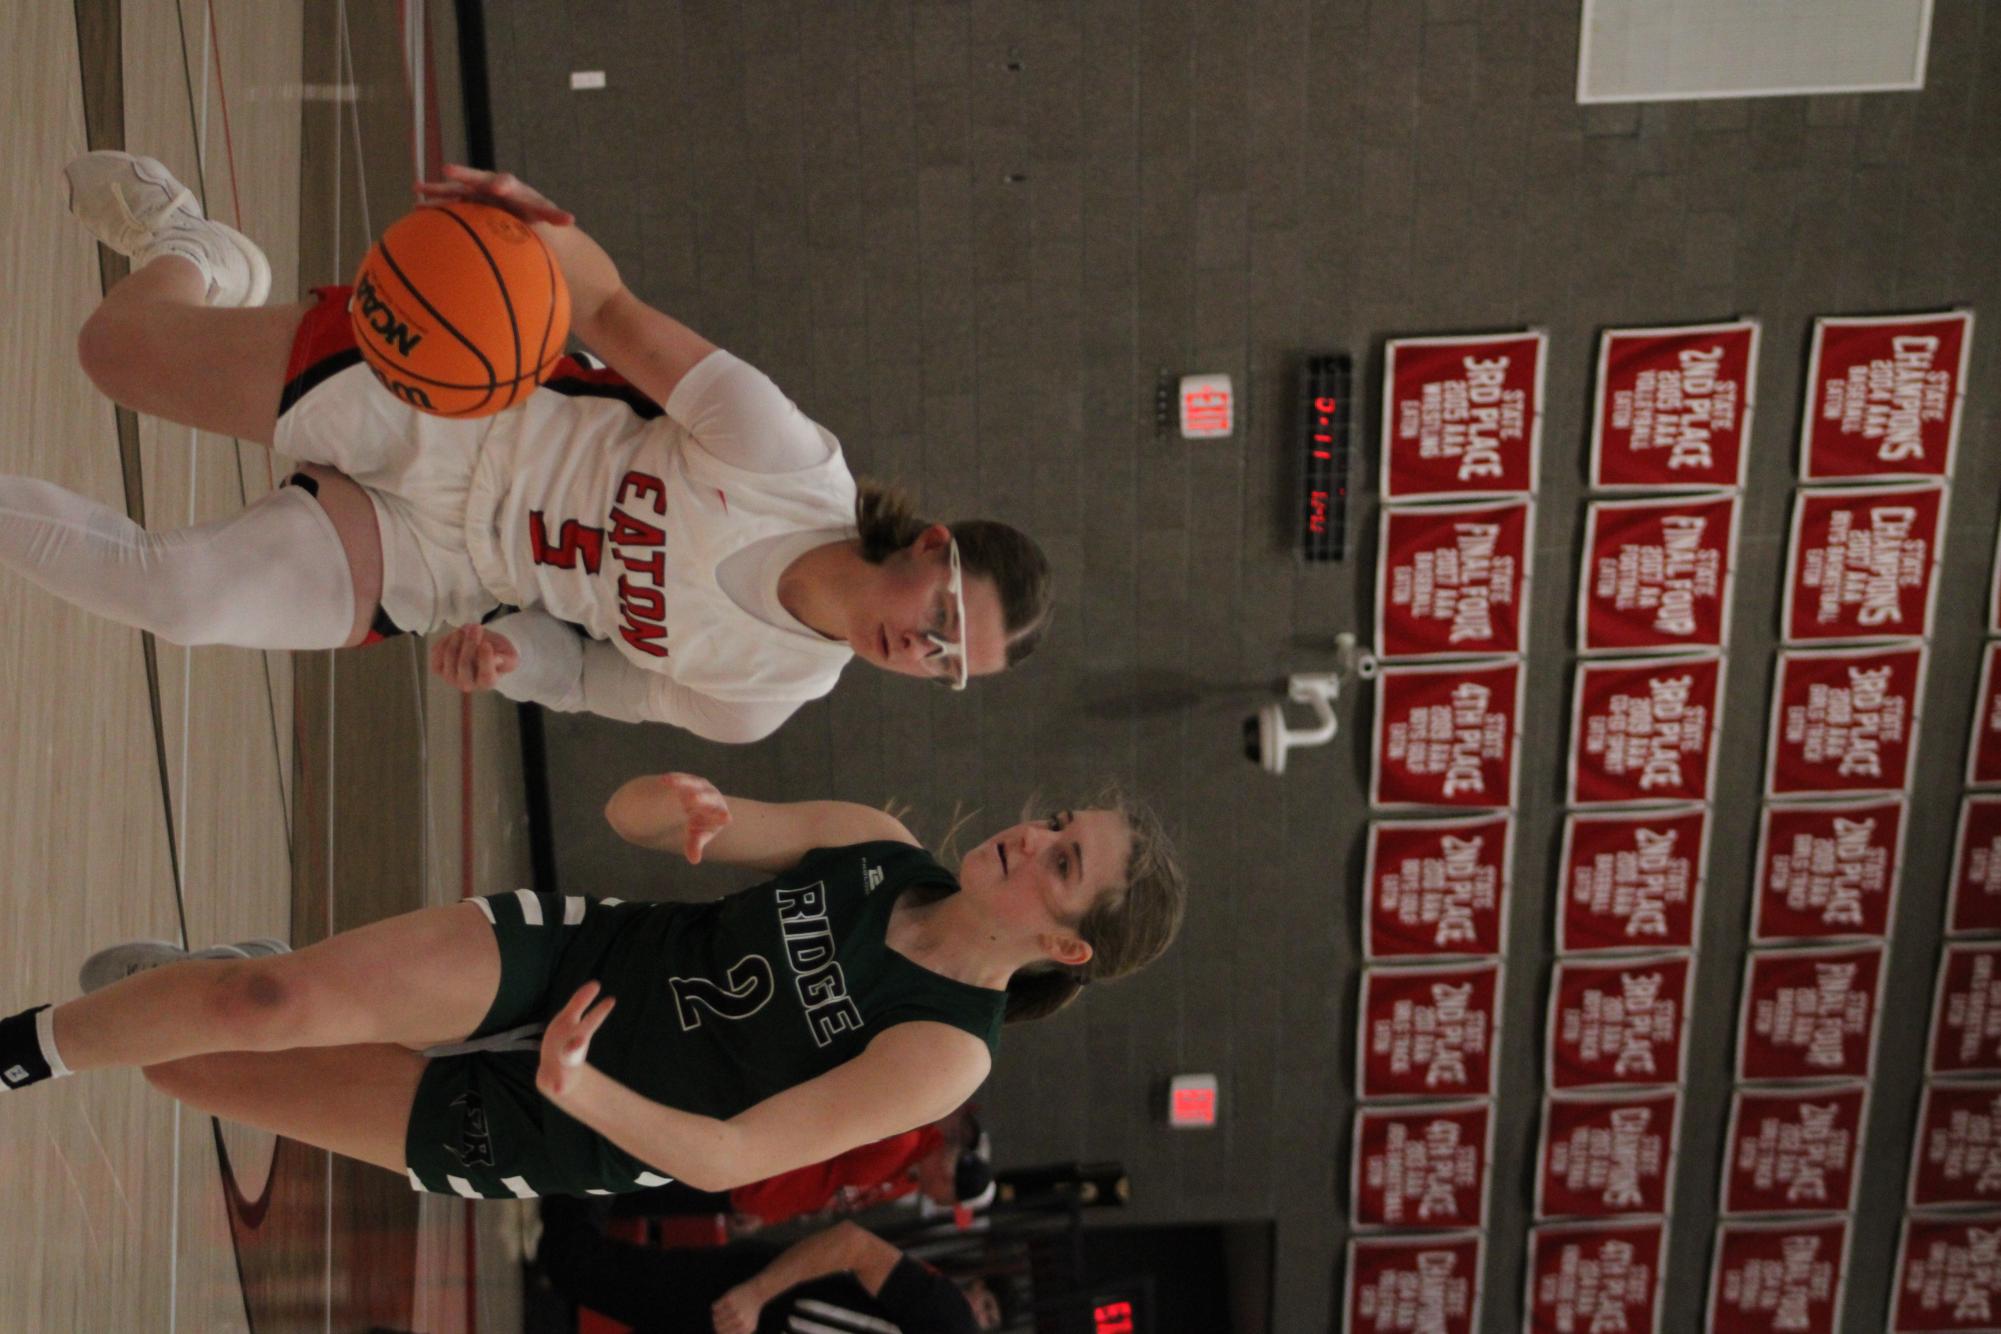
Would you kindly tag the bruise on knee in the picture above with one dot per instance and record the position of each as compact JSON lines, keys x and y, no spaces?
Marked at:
{"x":258,"y":1008}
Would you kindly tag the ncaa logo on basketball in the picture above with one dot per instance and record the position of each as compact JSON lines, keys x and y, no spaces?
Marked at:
{"x":389,"y":327}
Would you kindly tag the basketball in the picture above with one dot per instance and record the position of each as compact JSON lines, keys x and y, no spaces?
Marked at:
{"x":460,"y":309}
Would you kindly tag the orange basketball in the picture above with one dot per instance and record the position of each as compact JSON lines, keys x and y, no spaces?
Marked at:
{"x":460,"y":309}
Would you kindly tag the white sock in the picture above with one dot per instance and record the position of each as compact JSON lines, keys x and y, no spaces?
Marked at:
{"x":45,"y":1034}
{"x":271,"y":577}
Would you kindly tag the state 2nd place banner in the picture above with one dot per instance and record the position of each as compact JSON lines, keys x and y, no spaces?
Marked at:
{"x":1827,"y":870}
{"x":1844,"y":721}
{"x":1618,"y":1023}
{"x":1884,"y":395}
{"x":1421,"y":1166}
{"x":1428,"y":1031}
{"x":1948,"y":1275}
{"x":1461,"y":415}
{"x":1644,"y":730}
{"x":1672,"y":407}
{"x":1595,"y":1276}
{"x":1452,"y":580}
{"x":1447,"y":735}
{"x":1956,"y":1153}
{"x":1862,"y":563}
{"x":1413,"y":1285}
{"x":1793,"y":1151}
{"x":1975,"y":907}
{"x":1656,"y":574}
{"x":1809,"y":1014}
{"x":1966,"y":1013}
{"x":1778,"y":1278}
{"x":1631,"y":881}
{"x":1436,"y":887}
{"x":1605,"y":1155}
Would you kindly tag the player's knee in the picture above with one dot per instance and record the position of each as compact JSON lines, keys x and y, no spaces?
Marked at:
{"x":108,"y":348}
{"x":261,"y":1005}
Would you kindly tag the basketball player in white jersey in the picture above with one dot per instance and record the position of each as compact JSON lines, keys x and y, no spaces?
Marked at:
{"x":672,"y":542}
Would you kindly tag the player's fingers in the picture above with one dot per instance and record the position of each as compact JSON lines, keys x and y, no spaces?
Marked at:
{"x":594,"y":1019}
{"x":580,"y":1001}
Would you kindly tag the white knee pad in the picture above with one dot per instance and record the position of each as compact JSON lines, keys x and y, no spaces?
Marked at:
{"x":271,"y":577}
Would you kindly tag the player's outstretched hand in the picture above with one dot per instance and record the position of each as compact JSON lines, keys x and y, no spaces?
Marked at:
{"x":473,"y":657}
{"x":736,"y":1311}
{"x":705,"y":810}
{"x":499,"y":188}
{"x":567,"y":1041}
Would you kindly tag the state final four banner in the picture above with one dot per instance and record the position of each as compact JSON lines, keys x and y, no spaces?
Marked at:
{"x":1421,"y":1166}
{"x":1778,"y":1278}
{"x":1452,"y":580}
{"x":1656,"y":574}
{"x":1631,"y":880}
{"x":1827,"y":870}
{"x":1844,"y":721}
{"x":1948,"y":1275}
{"x":1809,"y":1014}
{"x":1975,"y":907}
{"x":1621,"y":1022}
{"x":1793,"y":1151}
{"x":1595,"y":1276}
{"x":1862,"y":563}
{"x":1605,"y":1155}
{"x":1461,"y":416}
{"x":1983,"y":752}
{"x":1428,"y":1031}
{"x":1884,"y":395}
{"x":1966,"y":1014}
{"x":1644,"y":730}
{"x":1447,"y":735}
{"x":1436,"y":887}
{"x":1956,"y":1153}
{"x":1413,"y":1285}
{"x":1672,"y":408}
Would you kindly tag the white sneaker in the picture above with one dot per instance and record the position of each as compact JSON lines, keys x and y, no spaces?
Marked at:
{"x":119,"y":962}
{"x":135,"y":206}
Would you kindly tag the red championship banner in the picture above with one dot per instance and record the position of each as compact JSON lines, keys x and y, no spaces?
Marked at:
{"x":1827,"y":870}
{"x":1445,"y":736}
{"x":1994,"y":598}
{"x":1809,"y":1014}
{"x":1948,"y":1275}
{"x":1428,"y":1032}
{"x":1644,"y":729}
{"x":1656,"y":574}
{"x":1792,"y":1151}
{"x":1436,"y":886}
{"x":1422,"y":1167}
{"x":1983,"y":754}
{"x":1603,"y":1156}
{"x":1844,"y":720}
{"x":1617,"y":1023}
{"x":1452,"y":580}
{"x":1595,"y":1276}
{"x":1461,"y":415}
{"x":1631,"y":880}
{"x":1413,"y":1285}
{"x":1883,"y":395}
{"x":1778,"y":1278}
{"x":1862,"y":562}
{"x":1956,"y":1153}
{"x":1975,"y":907}
{"x":1673,"y":406}
{"x":1966,"y":1016}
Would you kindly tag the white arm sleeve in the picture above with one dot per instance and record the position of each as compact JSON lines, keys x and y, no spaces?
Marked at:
{"x":736,"y":413}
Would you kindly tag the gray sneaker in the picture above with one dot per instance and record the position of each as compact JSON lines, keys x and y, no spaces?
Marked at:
{"x":135,"y":206}
{"x":119,"y":962}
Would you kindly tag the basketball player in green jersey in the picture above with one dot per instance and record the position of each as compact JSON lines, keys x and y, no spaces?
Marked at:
{"x":530,"y":1044}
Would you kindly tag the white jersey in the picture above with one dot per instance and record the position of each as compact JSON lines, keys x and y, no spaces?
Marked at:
{"x":593,"y":504}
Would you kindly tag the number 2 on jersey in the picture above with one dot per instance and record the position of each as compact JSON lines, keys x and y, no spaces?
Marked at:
{"x":750,"y":987}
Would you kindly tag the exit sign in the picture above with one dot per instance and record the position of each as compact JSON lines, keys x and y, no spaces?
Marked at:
{"x":1191,"y":1102}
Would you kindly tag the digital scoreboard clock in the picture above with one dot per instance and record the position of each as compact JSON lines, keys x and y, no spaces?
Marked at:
{"x":1325,"y":415}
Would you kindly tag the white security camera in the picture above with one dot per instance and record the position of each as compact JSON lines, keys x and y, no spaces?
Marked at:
{"x":1267,"y":737}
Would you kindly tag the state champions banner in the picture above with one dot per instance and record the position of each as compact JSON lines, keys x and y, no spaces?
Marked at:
{"x":1413,"y":1285}
{"x":1595,"y":1276}
{"x":1975,"y":905}
{"x":1428,"y":1031}
{"x":1436,"y":887}
{"x":1809,"y":1014}
{"x":1862,"y":563}
{"x":1447,"y":735}
{"x":1672,"y":406}
{"x":1956,"y":1151}
{"x":1884,"y":395}
{"x":1631,"y":880}
{"x":1644,"y":729}
{"x":1983,"y":752}
{"x":1618,"y":1023}
{"x":1421,"y":1165}
{"x":1462,"y":415}
{"x":1966,"y":1013}
{"x":1793,"y":1150}
{"x":1656,"y":574}
{"x":1827,"y":870}
{"x":1844,"y":721}
{"x":1453,"y":580}
{"x":1778,"y":1278}
{"x":1605,"y":1155}
{"x":1948,"y":1274}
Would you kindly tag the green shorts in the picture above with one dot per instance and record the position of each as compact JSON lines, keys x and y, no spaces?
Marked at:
{"x":478,"y":1127}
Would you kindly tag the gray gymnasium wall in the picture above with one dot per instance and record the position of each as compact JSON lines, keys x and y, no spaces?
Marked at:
{"x":965,"y":237}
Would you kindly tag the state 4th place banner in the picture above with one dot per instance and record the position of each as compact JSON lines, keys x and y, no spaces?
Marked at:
{"x":1884,"y":395}
{"x":1421,"y":1166}
{"x":1446,"y":735}
{"x":1461,"y":415}
{"x":1672,"y":407}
